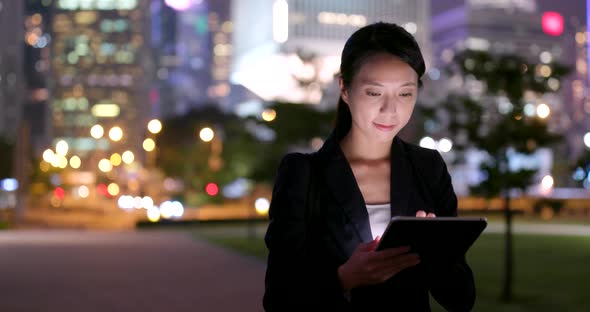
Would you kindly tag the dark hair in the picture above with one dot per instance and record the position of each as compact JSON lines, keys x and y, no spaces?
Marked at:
{"x":365,"y":42}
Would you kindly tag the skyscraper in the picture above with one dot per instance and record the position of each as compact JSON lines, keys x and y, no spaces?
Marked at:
{"x":12,"y":82}
{"x":580,"y":96}
{"x":192,"y":45}
{"x":101,"y":73}
{"x":270,"y":36}
{"x":37,"y":39}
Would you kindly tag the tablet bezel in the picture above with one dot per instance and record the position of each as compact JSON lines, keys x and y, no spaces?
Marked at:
{"x":473,"y":227}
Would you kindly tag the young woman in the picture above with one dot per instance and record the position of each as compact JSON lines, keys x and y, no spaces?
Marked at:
{"x":363,"y":175}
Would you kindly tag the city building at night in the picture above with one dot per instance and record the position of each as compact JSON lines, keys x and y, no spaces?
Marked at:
{"x":37,"y":39}
{"x":192,"y":49}
{"x":580,"y":97}
{"x":280,"y":43}
{"x":100,"y":70}
{"x":12,"y":79}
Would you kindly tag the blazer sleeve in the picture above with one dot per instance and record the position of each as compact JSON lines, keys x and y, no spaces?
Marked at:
{"x":294,"y":280}
{"x":453,"y":285}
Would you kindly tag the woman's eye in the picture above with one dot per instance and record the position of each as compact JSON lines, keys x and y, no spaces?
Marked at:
{"x":370,"y":93}
{"x":406,"y":94}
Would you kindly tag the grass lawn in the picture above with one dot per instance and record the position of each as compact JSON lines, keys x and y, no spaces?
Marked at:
{"x":551,"y":271}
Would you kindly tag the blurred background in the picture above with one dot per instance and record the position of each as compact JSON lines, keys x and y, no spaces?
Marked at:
{"x":121,"y":116}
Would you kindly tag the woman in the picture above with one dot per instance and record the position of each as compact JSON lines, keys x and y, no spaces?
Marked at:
{"x":363,"y":175}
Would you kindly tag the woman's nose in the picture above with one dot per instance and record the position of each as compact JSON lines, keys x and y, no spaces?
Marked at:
{"x":389,"y":106}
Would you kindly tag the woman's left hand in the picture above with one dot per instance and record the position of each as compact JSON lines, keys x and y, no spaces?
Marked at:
{"x":422,"y":214}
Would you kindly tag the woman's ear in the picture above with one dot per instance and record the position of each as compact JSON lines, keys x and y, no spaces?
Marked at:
{"x":343,"y":90}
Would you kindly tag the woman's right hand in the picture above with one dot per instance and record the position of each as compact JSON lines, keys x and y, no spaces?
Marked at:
{"x":367,"y":266}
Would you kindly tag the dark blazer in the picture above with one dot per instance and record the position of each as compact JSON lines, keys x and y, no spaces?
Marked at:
{"x":304,"y":276}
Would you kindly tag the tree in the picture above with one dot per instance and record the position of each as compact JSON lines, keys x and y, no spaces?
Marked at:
{"x":183,"y":155}
{"x":495,"y":121}
{"x":294,"y":128}
{"x":581,"y":170}
{"x":6,"y":157}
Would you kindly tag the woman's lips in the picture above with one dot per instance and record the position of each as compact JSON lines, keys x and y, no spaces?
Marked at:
{"x":384,"y":127}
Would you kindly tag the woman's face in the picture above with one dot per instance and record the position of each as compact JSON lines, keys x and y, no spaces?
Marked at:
{"x":381,"y":97}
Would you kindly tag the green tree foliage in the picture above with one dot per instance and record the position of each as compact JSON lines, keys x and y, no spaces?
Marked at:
{"x":245,"y":153}
{"x":479,"y":123}
{"x":495,"y":122}
{"x":295,"y":126}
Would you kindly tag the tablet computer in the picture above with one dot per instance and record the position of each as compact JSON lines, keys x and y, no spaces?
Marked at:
{"x":433,"y":239}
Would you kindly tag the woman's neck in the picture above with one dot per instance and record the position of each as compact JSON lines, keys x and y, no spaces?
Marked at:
{"x":357,"y":147}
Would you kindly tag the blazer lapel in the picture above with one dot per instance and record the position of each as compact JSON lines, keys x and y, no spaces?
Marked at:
{"x":401,"y":180}
{"x":341,"y":182}
{"x":343,"y":186}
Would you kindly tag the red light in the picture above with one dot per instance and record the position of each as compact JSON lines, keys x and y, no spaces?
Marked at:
{"x":552,"y":23}
{"x":212,"y":189}
{"x":102,"y":190}
{"x":59,"y":193}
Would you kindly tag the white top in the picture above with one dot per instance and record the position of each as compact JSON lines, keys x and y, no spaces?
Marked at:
{"x":379,"y":216}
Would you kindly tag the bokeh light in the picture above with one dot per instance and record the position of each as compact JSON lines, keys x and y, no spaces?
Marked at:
{"x":149,"y":144}
{"x":262,"y":205}
{"x":206,"y":134}
{"x":115,"y":159}
{"x":97,"y":131}
{"x":59,"y":193}
{"x":547,"y":184}
{"x":128,"y":157}
{"x":153,"y":214}
{"x":62,"y":161}
{"x":445,"y":145}
{"x":61,"y":148}
{"x":154,"y":126}
{"x":48,"y":155}
{"x":113,"y":189}
{"x":269,"y":115}
{"x":147,"y":202}
{"x":212,"y":189}
{"x":428,"y":142}
{"x":75,"y":162}
{"x":105,"y":165}
{"x":116,"y":133}
{"x":543,"y":111}
{"x":83,"y":191}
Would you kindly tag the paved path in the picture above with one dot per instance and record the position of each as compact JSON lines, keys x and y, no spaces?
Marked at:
{"x":80,"y":271}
